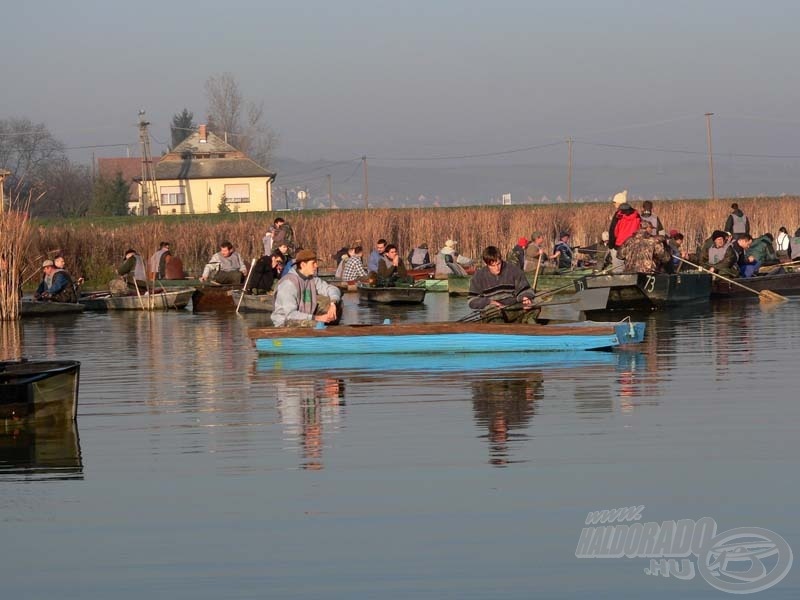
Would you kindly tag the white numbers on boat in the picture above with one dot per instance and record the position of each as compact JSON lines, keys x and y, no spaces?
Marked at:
{"x":650,"y":284}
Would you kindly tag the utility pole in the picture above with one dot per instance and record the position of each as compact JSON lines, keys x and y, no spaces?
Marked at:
{"x":330,"y":191}
{"x":366,"y":182}
{"x":149,"y":191}
{"x":710,"y":155}
{"x":569,"y":170}
{"x":286,"y":197}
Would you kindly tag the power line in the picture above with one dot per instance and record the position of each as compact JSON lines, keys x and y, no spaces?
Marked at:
{"x":481,"y":155}
{"x":680,"y":151}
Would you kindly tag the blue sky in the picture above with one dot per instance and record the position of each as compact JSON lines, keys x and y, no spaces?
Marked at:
{"x":419,"y":79}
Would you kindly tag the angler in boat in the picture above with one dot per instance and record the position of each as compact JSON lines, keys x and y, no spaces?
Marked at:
{"x":501,"y":291}
{"x":303,"y":298}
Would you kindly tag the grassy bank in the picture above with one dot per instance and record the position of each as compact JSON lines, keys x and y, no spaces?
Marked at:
{"x":93,"y":247}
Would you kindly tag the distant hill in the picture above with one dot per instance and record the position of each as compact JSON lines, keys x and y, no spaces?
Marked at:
{"x":399,"y":186}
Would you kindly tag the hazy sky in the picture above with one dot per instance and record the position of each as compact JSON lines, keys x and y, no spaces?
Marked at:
{"x":409,"y":79}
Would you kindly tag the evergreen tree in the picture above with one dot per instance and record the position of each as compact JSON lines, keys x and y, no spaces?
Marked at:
{"x":182,"y":126}
{"x":110,"y":197}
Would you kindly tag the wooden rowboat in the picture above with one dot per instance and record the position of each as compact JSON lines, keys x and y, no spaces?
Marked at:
{"x":164,"y":299}
{"x":210,"y":297}
{"x":646,"y":291}
{"x":434,"y":363}
{"x":392,"y":295}
{"x":36,"y":308}
{"x":787,"y":284}
{"x":450,"y":337}
{"x":253,"y":302}
{"x":39,"y":389}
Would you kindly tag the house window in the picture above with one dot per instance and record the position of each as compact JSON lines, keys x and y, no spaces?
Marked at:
{"x":237,"y":193}
{"x":172,"y":195}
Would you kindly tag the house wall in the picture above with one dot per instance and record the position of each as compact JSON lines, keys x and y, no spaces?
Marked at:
{"x":204,"y":195}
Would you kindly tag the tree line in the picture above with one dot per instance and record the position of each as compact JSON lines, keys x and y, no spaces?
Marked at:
{"x":49,"y":184}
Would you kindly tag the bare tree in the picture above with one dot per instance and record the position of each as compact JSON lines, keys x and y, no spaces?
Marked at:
{"x":66,"y":190}
{"x":27,"y":148}
{"x":242,"y":121}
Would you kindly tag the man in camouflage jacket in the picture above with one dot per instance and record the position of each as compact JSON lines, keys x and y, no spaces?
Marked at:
{"x":644,"y":252}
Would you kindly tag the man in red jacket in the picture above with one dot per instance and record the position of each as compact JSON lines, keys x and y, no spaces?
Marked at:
{"x":624,"y":224}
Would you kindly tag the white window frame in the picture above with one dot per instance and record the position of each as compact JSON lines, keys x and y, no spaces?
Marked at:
{"x":237,"y":193}
{"x":172,"y":195}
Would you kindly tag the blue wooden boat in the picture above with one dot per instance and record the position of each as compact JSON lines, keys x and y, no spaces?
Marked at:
{"x":450,"y":337}
{"x":440,"y":363}
{"x":39,"y":389}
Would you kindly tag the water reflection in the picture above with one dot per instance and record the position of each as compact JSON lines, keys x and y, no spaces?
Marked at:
{"x":308,"y":409}
{"x":10,"y":340}
{"x":40,"y":452}
{"x":505,"y":406}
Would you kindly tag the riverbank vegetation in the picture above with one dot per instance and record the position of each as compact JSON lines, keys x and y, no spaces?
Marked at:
{"x":94,"y":247}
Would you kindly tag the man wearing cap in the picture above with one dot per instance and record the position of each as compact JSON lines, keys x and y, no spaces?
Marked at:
{"x":624,"y":224}
{"x":713,"y":249}
{"x":303,"y":298}
{"x":536,"y":255}
{"x":450,"y":262}
{"x":644,"y":252}
{"x":56,"y":285}
{"x":516,"y":256}
{"x":563,"y":252}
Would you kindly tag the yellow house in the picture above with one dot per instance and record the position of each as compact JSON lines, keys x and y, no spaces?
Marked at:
{"x":203,"y":171}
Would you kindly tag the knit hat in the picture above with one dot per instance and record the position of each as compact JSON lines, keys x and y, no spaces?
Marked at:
{"x":450,"y":244}
{"x":305,"y":255}
{"x":522,"y":242}
{"x":536,"y":234}
{"x":620,"y":198}
{"x":717,"y":234}
{"x":626,"y":208}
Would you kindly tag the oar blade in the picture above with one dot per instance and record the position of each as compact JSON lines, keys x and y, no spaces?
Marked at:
{"x":770,"y":296}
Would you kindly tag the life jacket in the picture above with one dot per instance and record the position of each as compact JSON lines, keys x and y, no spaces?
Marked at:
{"x":627,"y":225}
{"x":795,"y":246}
{"x":651,"y":218}
{"x":739,"y":223}
{"x":68,"y":293}
{"x":340,"y":268}
{"x":419,"y":256}
{"x":716,"y":254}
{"x":782,"y":242}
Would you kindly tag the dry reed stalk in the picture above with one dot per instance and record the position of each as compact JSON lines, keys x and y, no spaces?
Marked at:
{"x":15,"y":240}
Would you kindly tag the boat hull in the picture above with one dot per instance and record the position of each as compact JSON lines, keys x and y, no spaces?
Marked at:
{"x":787,"y":284}
{"x":643,"y":291}
{"x":208,"y":298}
{"x":165,"y":300}
{"x":34,"y":308}
{"x":40,"y":390}
{"x":465,"y":338}
{"x":392,"y":295}
{"x":253,"y":302}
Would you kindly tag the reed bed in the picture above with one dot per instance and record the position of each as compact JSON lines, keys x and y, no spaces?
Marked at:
{"x":15,"y":241}
{"x":94,"y":249}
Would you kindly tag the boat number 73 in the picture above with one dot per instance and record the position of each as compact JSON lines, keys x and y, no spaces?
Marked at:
{"x":649,"y":284}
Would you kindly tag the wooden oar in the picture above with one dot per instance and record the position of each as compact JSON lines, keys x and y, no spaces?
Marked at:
{"x":536,"y":275}
{"x":246,"y":281}
{"x":770,"y":268}
{"x":763,"y":295}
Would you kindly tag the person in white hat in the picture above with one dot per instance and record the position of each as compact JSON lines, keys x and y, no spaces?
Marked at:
{"x":450,"y":262}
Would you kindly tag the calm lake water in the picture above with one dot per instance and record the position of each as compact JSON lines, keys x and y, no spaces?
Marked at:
{"x":197,"y":470}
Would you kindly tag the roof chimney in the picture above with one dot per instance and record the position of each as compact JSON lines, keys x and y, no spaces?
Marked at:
{"x":202,"y":132}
